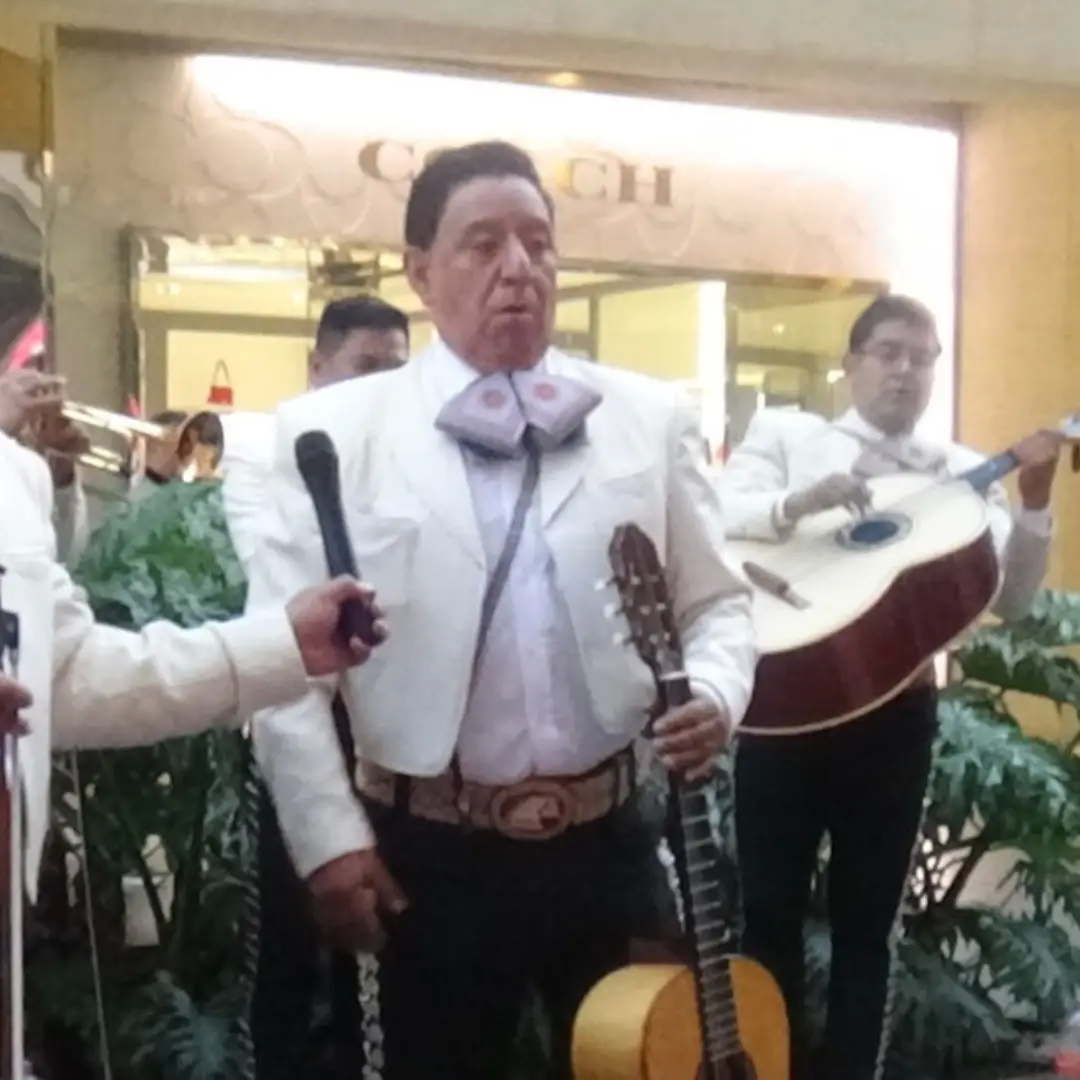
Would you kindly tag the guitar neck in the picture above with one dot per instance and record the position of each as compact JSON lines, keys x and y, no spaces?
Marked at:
{"x":991,"y":471}
{"x":704,"y":904}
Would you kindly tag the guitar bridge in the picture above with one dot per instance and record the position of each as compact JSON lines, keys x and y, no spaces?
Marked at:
{"x":774,"y":585}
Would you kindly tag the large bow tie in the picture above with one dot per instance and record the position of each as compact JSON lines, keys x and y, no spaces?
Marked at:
{"x":493,"y":414}
{"x":896,"y":455}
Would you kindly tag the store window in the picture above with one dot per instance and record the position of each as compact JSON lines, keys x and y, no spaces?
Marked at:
{"x":245,"y":311}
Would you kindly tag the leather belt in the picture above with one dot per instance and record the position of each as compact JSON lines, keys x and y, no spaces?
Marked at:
{"x":537,"y":808}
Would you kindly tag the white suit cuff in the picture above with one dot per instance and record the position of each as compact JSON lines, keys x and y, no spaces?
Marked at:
{"x":1039,"y":522}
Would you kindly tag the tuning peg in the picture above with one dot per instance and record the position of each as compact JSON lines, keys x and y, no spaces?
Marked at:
{"x":621,"y":638}
{"x":612,"y":610}
{"x":604,"y":584}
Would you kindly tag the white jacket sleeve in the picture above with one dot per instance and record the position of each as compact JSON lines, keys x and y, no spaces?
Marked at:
{"x":114,"y":688}
{"x":296,"y":744}
{"x":754,"y":482}
{"x":1026,"y":558}
{"x":712,"y":606}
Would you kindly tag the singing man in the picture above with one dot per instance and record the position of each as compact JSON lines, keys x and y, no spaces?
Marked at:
{"x":491,"y":836}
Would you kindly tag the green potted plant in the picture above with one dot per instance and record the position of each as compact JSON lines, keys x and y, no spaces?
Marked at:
{"x":156,"y":845}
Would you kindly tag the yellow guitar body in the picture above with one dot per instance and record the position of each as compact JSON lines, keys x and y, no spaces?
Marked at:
{"x":641,"y":1023}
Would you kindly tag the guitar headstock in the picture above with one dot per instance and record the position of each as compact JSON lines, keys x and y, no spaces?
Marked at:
{"x":646,"y":603}
{"x":1070,"y":428}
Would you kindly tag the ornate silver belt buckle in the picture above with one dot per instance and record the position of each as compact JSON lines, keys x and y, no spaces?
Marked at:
{"x":533,"y":810}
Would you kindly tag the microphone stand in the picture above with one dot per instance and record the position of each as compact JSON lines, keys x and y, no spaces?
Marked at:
{"x":12,"y":1064}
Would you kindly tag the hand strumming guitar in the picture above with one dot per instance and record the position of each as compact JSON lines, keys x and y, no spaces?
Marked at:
{"x":348,"y":896}
{"x":839,"y":489}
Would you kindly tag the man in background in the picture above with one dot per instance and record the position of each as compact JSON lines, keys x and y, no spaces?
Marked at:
{"x":30,"y":411}
{"x":357,"y":336}
{"x":360,"y":335}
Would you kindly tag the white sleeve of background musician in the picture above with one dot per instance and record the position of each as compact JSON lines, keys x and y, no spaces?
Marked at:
{"x":296,"y":745}
{"x":712,"y":605}
{"x":753,"y":481}
{"x":1026,"y":560}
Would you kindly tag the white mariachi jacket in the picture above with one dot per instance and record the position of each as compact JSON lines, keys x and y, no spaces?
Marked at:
{"x":412,"y":522}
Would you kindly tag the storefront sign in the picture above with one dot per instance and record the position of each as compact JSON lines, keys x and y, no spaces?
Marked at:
{"x":599,"y":177}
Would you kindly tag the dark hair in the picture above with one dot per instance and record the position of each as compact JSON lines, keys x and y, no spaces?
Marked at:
{"x":341,"y":317}
{"x":448,"y":170}
{"x":168,"y":417}
{"x":889,"y":308}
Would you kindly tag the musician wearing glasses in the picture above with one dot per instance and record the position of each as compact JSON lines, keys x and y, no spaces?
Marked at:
{"x":861,"y":782}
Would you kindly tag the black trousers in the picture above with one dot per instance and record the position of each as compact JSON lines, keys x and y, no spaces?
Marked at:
{"x":298,"y":978}
{"x":490,"y":919}
{"x":863,"y":783}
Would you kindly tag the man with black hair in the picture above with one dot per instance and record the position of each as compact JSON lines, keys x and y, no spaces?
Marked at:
{"x":357,"y":335}
{"x":497,"y":842}
{"x":360,"y":335}
{"x":862,"y":782}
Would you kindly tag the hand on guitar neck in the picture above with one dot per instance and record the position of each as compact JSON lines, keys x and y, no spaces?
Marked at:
{"x":1038,"y":456}
{"x":839,"y":489}
{"x":13,"y":697}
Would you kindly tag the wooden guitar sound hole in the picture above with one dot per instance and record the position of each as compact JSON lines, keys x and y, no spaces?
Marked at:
{"x":736,"y":1067}
{"x":874,"y":531}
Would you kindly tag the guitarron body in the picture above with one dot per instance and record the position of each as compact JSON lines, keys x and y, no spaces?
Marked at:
{"x":867,"y":602}
{"x":641,"y":1023}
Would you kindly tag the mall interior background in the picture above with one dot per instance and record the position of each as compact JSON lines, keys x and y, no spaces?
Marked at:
{"x":1001,"y":77}
{"x":154,"y":285}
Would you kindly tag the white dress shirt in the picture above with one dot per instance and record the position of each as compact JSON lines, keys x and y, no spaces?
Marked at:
{"x":529,"y":711}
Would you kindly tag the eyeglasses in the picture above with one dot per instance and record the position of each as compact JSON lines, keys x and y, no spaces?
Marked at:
{"x":893,"y":352}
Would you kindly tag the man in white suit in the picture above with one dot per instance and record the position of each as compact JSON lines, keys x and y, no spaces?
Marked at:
{"x":84,"y":685}
{"x":496,"y":842}
{"x":862,"y":782}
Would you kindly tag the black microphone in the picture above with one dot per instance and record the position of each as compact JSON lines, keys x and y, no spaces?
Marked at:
{"x":317,"y":461}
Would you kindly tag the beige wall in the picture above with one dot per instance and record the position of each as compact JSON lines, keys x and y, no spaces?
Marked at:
{"x":1020,"y":291}
{"x":858,"y":51}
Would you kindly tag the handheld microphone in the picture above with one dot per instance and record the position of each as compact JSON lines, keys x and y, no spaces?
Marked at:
{"x":317,"y":461}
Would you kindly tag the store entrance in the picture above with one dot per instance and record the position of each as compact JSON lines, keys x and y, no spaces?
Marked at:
{"x":246,"y":311}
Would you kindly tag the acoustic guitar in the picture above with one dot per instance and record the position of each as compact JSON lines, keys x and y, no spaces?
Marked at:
{"x":724,"y":1017}
{"x":849,"y":610}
